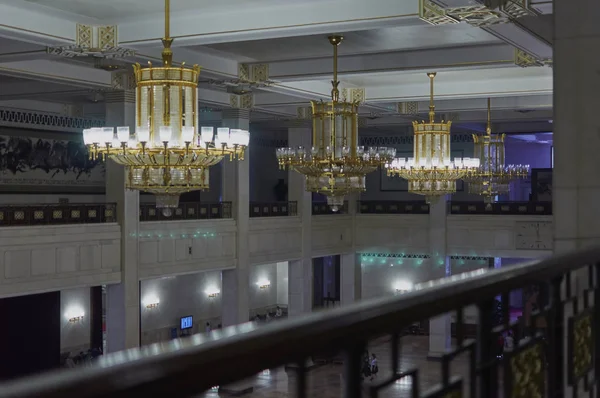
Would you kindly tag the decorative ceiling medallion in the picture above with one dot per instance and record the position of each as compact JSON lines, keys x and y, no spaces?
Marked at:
{"x":526,"y":60}
{"x":434,"y":14}
{"x":479,"y":16}
{"x":518,"y":9}
{"x":93,"y":41}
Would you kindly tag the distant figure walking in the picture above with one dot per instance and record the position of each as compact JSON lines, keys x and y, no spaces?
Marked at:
{"x":208,"y":328}
{"x":374,"y":367}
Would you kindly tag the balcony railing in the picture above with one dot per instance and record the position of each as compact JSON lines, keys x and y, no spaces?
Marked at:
{"x":555,"y":346}
{"x":322,"y":208}
{"x":188,"y":211}
{"x":273,"y":209}
{"x":57,"y":214}
{"x":509,"y":208}
{"x":391,"y":207}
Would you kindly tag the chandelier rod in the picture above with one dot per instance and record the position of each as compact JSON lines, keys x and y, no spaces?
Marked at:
{"x":167,"y":40}
{"x":488,"y":129}
{"x":431,"y":104}
{"x":335,"y":92}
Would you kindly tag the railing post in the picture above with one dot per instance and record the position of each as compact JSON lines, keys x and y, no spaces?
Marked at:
{"x":486,"y":355}
{"x":556,"y":371}
{"x":596,"y":328}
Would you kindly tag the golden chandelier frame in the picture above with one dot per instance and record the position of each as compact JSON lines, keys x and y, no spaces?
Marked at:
{"x":431,"y":172}
{"x":493,"y":177}
{"x":168,"y":154}
{"x":336,"y":165}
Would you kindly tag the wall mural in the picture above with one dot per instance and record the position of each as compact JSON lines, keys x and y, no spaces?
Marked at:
{"x":30,"y":161}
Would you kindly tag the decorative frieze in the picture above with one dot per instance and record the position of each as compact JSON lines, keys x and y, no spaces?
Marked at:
{"x":408,"y":108}
{"x":46,"y":120}
{"x":354,"y":95}
{"x":526,"y":60}
{"x":434,"y":14}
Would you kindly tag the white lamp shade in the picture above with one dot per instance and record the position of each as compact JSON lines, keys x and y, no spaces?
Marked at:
{"x":96,"y":135}
{"x":165,"y":133}
{"x":223,"y":135}
{"x":88,"y":137}
{"x":239,"y":137}
{"x":207,"y":134}
{"x":123,"y":133}
{"x":143,"y":134}
{"x":187,"y":133}
{"x":107,"y":135}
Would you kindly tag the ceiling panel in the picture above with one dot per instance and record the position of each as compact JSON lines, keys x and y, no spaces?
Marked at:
{"x":401,"y":38}
{"x":127,"y":9}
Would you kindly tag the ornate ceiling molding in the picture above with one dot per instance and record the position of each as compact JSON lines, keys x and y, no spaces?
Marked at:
{"x":492,"y":12}
{"x":93,"y":41}
{"x":526,"y":60}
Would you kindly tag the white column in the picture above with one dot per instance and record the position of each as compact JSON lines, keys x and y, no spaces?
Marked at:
{"x":123,"y":300}
{"x":576,"y":181}
{"x":439,"y":264}
{"x":236,"y":189}
{"x":300,"y":275}
{"x":350,"y":279}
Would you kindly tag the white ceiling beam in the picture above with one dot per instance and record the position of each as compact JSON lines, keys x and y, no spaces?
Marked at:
{"x":32,"y":25}
{"x":529,"y":102}
{"x":536,"y":82}
{"x":55,"y":71}
{"x":495,"y":55}
{"x":291,"y":18}
{"x":212,"y":66}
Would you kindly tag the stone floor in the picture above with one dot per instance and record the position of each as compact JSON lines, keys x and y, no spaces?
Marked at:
{"x":326,"y":381}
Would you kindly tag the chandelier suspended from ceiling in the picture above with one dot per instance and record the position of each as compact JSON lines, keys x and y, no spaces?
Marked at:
{"x":168,"y":154}
{"x":431,"y":172}
{"x":335,"y":165}
{"x":493,"y":177}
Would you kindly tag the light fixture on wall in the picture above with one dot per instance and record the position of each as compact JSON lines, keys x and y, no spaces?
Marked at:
{"x":492,"y":177}
{"x":212,"y":292}
{"x":168,"y":154}
{"x":335,"y":166}
{"x":431,"y":172}
{"x":263,"y":283}
{"x":74,"y":315}
{"x":402,"y":286}
{"x":151,"y":302}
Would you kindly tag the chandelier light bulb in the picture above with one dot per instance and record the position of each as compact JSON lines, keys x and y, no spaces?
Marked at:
{"x":143,"y":134}
{"x":207,"y":134}
{"x":187,"y":134}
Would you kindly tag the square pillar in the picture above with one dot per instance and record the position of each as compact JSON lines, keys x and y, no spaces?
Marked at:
{"x":439,"y":264}
{"x":235,"y":188}
{"x":300,"y":273}
{"x":123,"y":300}
{"x":350,"y":278}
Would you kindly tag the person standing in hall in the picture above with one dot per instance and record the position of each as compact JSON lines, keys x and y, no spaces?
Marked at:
{"x":374,"y":366}
{"x":208,"y":327}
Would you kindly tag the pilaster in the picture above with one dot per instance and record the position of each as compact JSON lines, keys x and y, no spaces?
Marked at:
{"x":123,"y":300}
{"x":439,"y":264}
{"x":300,"y":273}
{"x":236,"y":189}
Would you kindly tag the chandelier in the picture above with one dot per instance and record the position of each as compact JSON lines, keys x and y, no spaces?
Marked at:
{"x":431,"y":172}
{"x":335,"y":165}
{"x":493,"y":177}
{"x":168,"y":154}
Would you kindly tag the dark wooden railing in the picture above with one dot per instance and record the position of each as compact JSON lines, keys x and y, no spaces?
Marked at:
{"x":273,"y":209}
{"x":391,"y":207}
{"x":188,"y":211}
{"x":555,"y":349}
{"x":56,"y":214}
{"x":322,"y":208}
{"x":510,"y":208}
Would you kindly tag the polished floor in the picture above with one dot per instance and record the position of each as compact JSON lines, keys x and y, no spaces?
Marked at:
{"x":327,"y":381}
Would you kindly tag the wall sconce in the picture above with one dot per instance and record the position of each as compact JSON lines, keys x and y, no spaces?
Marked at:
{"x":151,"y":302}
{"x":402,"y":286}
{"x":74,"y":315}
{"x":263,"y":283}
{"x":212,"y":292}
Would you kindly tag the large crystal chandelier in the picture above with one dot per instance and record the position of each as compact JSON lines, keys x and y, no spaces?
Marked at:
{"x":335,"y":165}
{"x":431,"y":172}
{"x":168,"y":154}
{"x":493,"y":177}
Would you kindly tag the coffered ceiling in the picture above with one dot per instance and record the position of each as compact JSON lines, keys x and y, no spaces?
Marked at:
{"x":388,"y":47}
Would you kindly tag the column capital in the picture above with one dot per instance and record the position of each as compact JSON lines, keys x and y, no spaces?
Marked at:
{"x":235,"y":114}
{"x":118,"y":96}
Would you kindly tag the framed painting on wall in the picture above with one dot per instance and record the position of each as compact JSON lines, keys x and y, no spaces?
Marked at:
{"x":397,"y":184}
